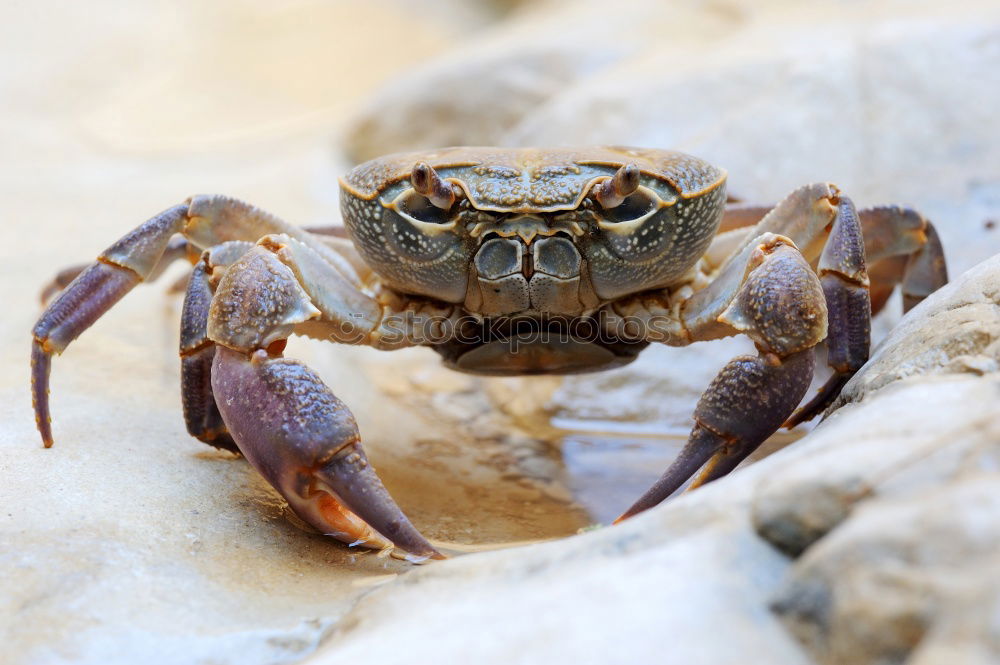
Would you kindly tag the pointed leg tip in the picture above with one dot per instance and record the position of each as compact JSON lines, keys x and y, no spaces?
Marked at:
{"x":633,"y":510}
{"x":44,"y":427}
{"x":41,"y":362}
{"x":417,"y":555}
{"x":416,"y":547}
{"x":792,"y":422}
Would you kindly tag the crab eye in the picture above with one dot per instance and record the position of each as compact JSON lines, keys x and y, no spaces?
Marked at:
{"x":420,"y":225}
{"x":431,"y":198}
{"x":633,"y":207}
{"x":418,"y":208}
{"x":621,"y":197}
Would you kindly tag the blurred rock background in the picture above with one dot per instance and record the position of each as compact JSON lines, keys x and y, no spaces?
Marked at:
{"x":131,"y":541}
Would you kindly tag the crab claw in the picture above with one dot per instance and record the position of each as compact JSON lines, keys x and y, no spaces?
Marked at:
{"x":305,"y":442}
{"x":612,"y":192}
{"x":428,"y":183}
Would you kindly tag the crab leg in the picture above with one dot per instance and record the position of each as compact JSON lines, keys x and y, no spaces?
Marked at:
{"x":176,"y":249}
{"x":742,"y":216}
{"x":201,"y":414}
{"x":745,"y":403}
{"x":286,"y":422}
{"x":845,"y":283}
{"x":314,"y":456}
{"x":902,"y":246}
{"x":780,"y":306}
{"x":787,"y":318}
{"x":896,"y":244}
{"x":94,"y":291}
{"x":926,"y":271}
{"x":884,"y":277}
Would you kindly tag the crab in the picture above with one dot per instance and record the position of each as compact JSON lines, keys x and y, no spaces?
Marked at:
{"x":503,"y":261}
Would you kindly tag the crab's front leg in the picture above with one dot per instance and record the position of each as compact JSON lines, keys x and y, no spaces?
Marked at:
{"x":779,"y":304}
{"x":286,"y":422}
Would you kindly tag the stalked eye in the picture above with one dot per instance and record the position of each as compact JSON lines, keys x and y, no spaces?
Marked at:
{"x":612,"y":192}
{"x":633,"y":207}
{"x":420,"y":223}
{"x":431,"y":199}
{"x":621,"y":198}
{"x":419,"y":208}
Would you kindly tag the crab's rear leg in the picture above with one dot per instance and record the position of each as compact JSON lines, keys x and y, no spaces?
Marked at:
{"x":284,"y":419}
{"x":902,"y":247}
{"x":177,"y":248}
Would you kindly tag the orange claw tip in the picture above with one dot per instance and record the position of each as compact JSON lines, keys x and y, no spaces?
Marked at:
{"x":350,"y":478}
{"x":327,"y":510}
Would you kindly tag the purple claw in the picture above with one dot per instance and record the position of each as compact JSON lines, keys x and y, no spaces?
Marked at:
{"x":305,"y":442}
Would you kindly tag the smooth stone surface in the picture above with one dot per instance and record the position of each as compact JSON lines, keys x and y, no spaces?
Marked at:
{"x":479,"y":91}
{"x":908,"y":475}
{"x":872,"y":590}
{"x":630,"y":593}
{"x":895,"y":514}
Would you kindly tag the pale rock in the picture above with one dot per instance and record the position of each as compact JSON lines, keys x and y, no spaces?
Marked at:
{"x":635,"y":593}
{"x":694,"y":558}
{"x":892,"y":502}
{"x":889,"y":447}
{"x":477,"y":92}
{"x":872,"y":589}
